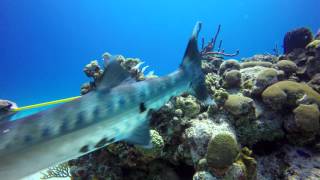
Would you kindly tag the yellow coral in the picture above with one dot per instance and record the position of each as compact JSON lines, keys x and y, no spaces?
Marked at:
{"x":256,"y":63}
{"x":290,"y":93}
{"x":239,"y":105}
{"x":307,"y":117}
{"x":314,"y":44}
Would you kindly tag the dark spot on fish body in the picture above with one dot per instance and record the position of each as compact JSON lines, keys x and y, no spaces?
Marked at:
{"x":80,"y":119}
{"x":45,"y":132}
{"x":27,"y":139}
{"x":103,"y":92}
{"x":142,"y":107}
{"x":122,"y":101}
{"x":103,"y":142}
{"x":96,"y":113}
{"x":84,"y":149}
{"x":64,"y":125}
{"x":110,"y":108}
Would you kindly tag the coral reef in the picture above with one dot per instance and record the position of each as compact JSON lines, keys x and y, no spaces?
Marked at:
{"x":263,"y":124}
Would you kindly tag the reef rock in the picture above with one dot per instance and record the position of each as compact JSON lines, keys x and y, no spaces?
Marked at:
{"x":199,"y":134}
{"x":315,"y":82}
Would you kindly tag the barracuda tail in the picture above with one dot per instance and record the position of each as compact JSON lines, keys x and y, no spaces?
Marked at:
{"x":191,"y":64}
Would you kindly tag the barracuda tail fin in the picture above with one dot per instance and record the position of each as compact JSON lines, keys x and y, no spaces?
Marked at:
{"x":192,"y":56}
{"x":191,"y":64}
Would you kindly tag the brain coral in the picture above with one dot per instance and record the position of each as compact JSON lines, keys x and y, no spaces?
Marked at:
{"x":307,"y":117}
{"x":289,"y":93}
{"x":222,"y":151}
{"x":239,"y":105}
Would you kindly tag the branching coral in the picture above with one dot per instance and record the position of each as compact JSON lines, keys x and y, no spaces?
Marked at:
{"x":208,"y":52}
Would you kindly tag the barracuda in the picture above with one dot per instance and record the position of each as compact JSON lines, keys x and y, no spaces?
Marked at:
{"x":117,"y":110}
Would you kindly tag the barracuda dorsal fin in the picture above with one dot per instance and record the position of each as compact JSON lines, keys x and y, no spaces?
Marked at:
{"x":113,"y":75}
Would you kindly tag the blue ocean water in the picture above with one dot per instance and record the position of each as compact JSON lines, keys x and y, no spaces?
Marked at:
{"x":46,"y":43}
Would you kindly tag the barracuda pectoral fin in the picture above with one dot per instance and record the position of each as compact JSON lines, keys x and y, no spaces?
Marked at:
{"x":140,"y":135}
{"x":114,"y":74}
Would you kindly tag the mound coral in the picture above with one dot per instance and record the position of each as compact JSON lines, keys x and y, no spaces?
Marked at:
{"x":228,"y":65}
{"x":222,"y":151}
{"x":307,"y":117}
{"x":287,"y":66}
{"x":264,"y":78}
{"x":232,"y":78}
{"x":256,"y":63}
{"x":239,"y":105}
{"x":289,"y":93}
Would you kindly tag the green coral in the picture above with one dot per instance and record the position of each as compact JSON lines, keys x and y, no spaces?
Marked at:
{"x":248,"y":163}
{"x":229,"y":65}
{"x":157,"y":146}
{"x":289,"y":93}
{"x":239,"y":105}
{"x":314,"y":44}
{"x":287,"y":66}
{"x":307,"y":117}
{"x":220,"y":96}
{"x":188,"y":105}
{"x":255,"y":63}
{"x":212,"y":82}
{"x":264,"y":79}
{"x":232,"y":78}
{"x":222,"y":151}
